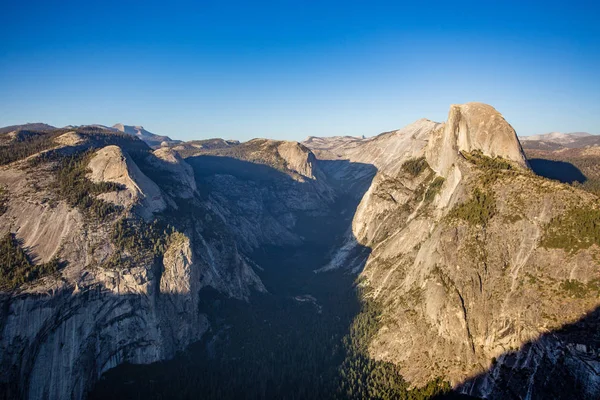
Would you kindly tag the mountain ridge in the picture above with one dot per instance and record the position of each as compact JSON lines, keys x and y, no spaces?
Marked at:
{"x":152,"y":139}
{"x":556,"y":136}
{"x":461,"y":248}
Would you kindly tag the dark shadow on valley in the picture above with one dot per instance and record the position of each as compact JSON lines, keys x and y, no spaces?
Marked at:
{"x":207,"y":165}
{"x":286,"y":343}
{"x":553,"y":366}
{"x":562,"y":171}
{"x":289,"y":342}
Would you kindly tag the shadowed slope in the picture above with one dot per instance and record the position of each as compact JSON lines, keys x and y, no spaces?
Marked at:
{"x":574,"y":348}
{"x":559,"y":170}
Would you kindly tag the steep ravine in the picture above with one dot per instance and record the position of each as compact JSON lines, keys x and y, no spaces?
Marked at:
{"x":421,"y":256}
{"x":473,"y":255}
{"x":286,"y":342}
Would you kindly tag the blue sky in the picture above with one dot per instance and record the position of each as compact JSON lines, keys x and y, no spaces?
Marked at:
{"x":288,"y":69}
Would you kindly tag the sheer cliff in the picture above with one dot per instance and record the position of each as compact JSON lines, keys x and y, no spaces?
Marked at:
{"x":117,"y":242}
{"x":424,"y":255}
{"x":472,"y":255}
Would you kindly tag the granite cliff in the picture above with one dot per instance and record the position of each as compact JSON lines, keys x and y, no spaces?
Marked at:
{"x":136,"y":239}
{"x":469,"y":258}
{"x":483,"y":274}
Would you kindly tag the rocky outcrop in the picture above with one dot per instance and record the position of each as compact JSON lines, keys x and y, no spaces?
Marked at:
{"x":473,"y":126}
{"x":42,"y":227}
{"x":110,"y":164}
{"x":182,"y":181}
{"x":69,"y":139}
{"x":459,"y":290}
{"x":57,"y":343}
{"x":300,"y":160}
{"x":61,"y":332}
{"x":456,"y":295}
{"x":152,"y":139}
{"x":560,"y":364}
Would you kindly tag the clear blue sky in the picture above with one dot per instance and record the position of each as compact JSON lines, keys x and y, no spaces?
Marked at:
{"x":293,"y":68}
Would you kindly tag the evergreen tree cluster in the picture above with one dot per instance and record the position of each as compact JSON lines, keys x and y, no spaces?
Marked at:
{"x":3,"y":200}
{"x":478,"y":210}
{"x":488,"y":163}
{"x":25,"y":144}
{"x":415,"y":166}
{"x":578,"y":228}
{"x":136,"y":240}
{"x":73,"y":186}
{"x":361,"y":377}
{"x":16,"y":267}
{"x":433,"y":189}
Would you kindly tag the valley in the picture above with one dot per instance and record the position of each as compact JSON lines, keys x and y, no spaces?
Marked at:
{"x":297,"y":340}
{"x":435,"y":260}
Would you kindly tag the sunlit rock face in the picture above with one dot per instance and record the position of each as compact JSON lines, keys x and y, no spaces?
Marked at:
{"x":470,"y":127}
{"x":110,"y":303}
{"x":183,"y":183}
{"x":110,"y":164}
{"x":459,"y":292}
{"x":448,"y":237}
{"x":61,"y":332}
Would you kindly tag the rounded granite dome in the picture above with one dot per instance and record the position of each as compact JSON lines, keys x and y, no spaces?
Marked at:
{"x":470,"y":127}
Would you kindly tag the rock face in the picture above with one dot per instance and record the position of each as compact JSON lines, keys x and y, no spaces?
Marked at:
{"x":110,"y":164}
{"x":481,"y":269}
{"x":458,"y":261}
{"x":567,"y":367}
{"x":56,"y":343}
{"x":473,"y":126}
{"x":261,"y":188}
{"x":299,"y":159}
{"x":41,"y":228}
{"x":119,"y":296}
{"x":60,"y":333}
{"x":184,"y":183}
{"x":150,"y":138}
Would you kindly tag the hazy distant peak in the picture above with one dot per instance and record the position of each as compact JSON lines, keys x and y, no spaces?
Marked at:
{"x":473,"y":127}
{"x":558,"y":140}
{"x":150,"y":138}
{"x":556,"y":137}
{"x":311,"y":139}
{"x":132,"y":129}
{"x":108,"y":128}
{"x":33,"y":126}
{"x":422,"y":121}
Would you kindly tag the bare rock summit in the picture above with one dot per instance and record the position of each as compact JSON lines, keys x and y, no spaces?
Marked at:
{"x":473,"y":127}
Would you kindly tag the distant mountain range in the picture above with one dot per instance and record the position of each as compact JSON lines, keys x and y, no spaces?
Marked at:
{"x":399,"y":266}
{"x":152,"y":139}
{"x":36,"y":126}
{"x":558,"y":140}
{"x":557,"y":136}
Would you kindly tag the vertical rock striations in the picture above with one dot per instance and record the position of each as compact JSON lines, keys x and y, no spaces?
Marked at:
{"x":463,"y":266}
{"x":473,"y":127}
